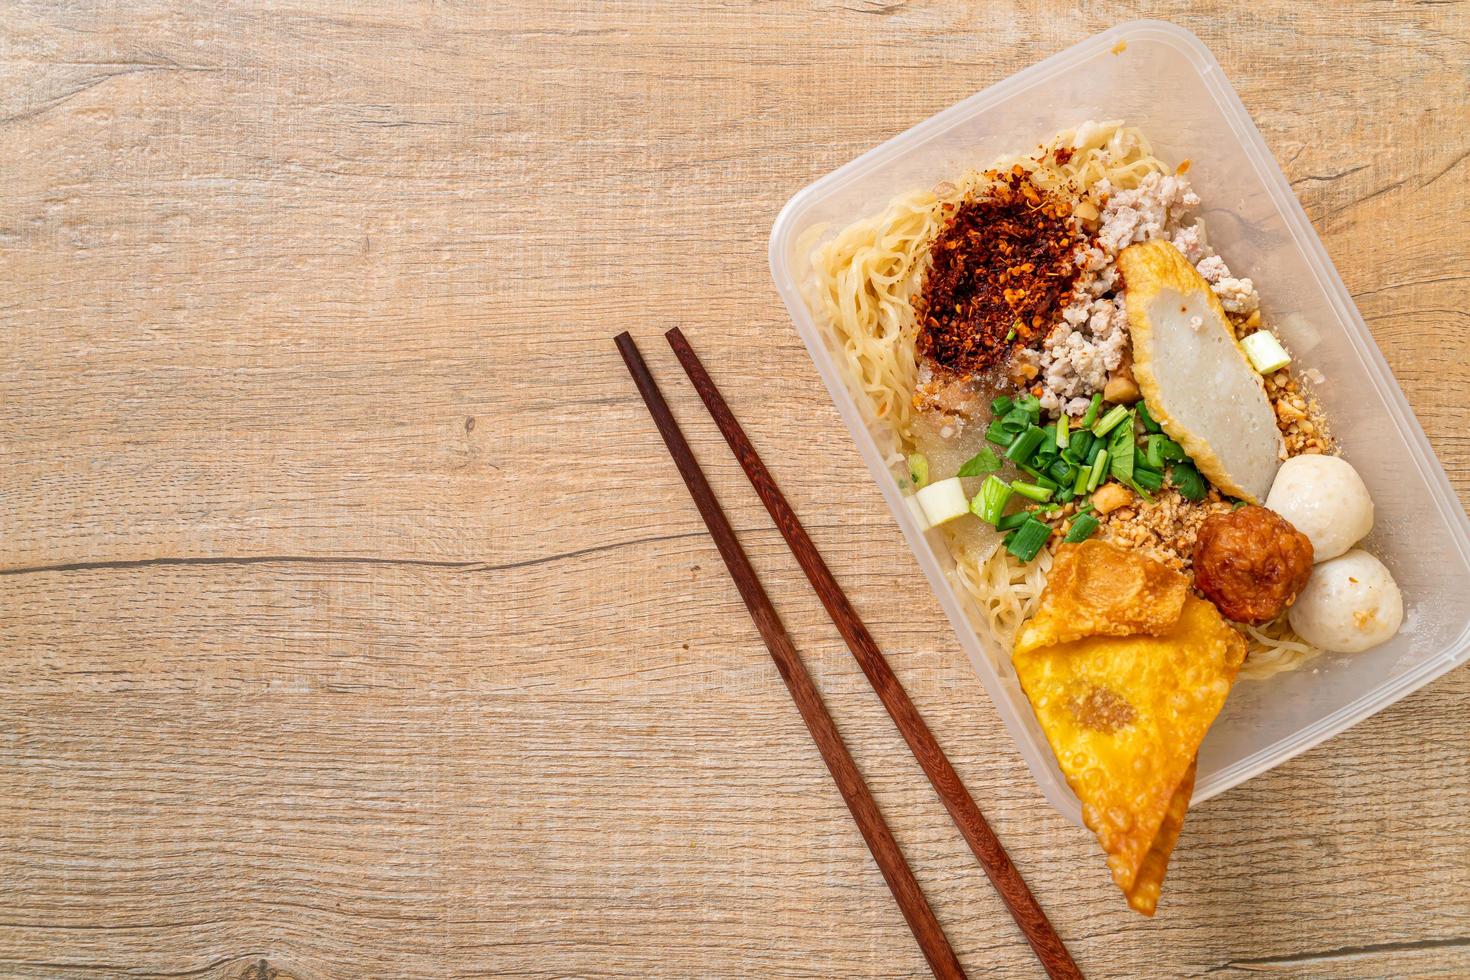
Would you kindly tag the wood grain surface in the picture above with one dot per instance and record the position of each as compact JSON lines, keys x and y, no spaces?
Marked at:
{"x":353,"y":623}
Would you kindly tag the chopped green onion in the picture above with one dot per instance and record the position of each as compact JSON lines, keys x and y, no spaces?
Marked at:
{"x":1064,"y":431}
{"x":1141,"y":491}
{"x":1084,"y":473}
{"x":1046,"y":483}
{"x":1122,"y":448}
{"x":1024,"y":445}
{"x":1098,"y":469}
{"x":1090,"y":416}
{"x":1149,"y":425}
{"x":1067,"y":494}
{"x":1082,"y":529}
{"x":1063,"y":471}
{"x":1032,"y":405}
{"x":1239,"y":504}
{"x":1160,"y":449}
{"x":1081,"y":442}
{"x":1265,"y":352}
{"x":991,"y":501}
{"x":1001,"y":404}
{"x":1151,"y":452}
{"x":996,"y":432}
{"x":1098,"y":445}
{"x":1187,"y":481}
{"x":943,"y":501}
{"x":1029,"y":539}
{"x":919,"y":470}
{"x":1148,"y":479}
{"x":1012,"y":521}
{"x":1017,"y":419}
{"x":1141,"y":466}
{"x":1031,"y":491}
{"x":1010,"y":334}
{"x":1051,"y":437}
{"x":1084,"y":508}
{"x":1110,"y":421}
{"x":981,"y":463}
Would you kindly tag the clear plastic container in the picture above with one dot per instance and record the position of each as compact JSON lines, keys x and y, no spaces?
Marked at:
{"x":1162,"y":79}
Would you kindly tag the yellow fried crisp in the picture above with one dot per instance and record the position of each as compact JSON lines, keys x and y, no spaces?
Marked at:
{"x":1125,"y":699}
{"x":1095,"y":589}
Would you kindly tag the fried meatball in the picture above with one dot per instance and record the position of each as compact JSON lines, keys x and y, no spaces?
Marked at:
{"x":1251,"y":563}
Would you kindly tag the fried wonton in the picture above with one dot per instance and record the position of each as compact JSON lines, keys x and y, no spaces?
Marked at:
{"x":1095,"y":589}
{"x":1125,"y":698}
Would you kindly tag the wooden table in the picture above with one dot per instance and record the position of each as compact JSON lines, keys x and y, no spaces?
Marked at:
{"x":354,"y":622}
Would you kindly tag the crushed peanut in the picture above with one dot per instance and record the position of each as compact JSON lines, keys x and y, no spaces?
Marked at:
{"x":1165,"y":528}
{"x":1299,"y":417}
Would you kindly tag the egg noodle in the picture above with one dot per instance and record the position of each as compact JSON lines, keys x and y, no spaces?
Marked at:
{"x":863,"y":282}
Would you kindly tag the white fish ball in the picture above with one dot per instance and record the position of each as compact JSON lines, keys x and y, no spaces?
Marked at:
{"x":1350,"y":603}
{"x":1324,"y":498}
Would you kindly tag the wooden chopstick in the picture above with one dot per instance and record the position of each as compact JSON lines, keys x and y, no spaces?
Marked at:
{"x":971,"y":822}
{"x":845,"y":774}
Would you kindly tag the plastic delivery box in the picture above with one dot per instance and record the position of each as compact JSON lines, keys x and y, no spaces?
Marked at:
{"x":1161,"y":78}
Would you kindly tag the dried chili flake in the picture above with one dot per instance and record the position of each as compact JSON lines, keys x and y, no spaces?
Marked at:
{"x":1001,"y":266}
